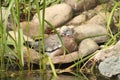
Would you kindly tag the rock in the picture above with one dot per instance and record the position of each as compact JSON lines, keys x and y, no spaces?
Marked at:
{"x":96,"y":32}
{"x":57,"y":15}
{"x":116,"y":16}
{"x":56,"y":52}
{"x":70,"y":44}
{"x":104,"y":53}
{"x":100,"y":19}
{"x":110,"y":66}
{"x":81,"y":4}
{"x":53,"y":46}
{"x":87,"y":46}
{"x":105,"y":5}
{"x":100,"y":8}
{"x":14,"y":36}
{"x":118,"y":76}
{"x":67,"y":58}
{"x":30,"y":55}
{"x":82,"y":18}
{"x":52,"y":43}
{"x":77,"y":20}
{"x":30,"y":29}
{"x":108,"y":52}
{"x":89,"y":13}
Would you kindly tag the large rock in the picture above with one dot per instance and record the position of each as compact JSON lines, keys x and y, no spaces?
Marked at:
{"x":30,"y":29}
{"x":31,"y":55}
{"x":100,"y":8}
{"x":67,"y":58}
{"x":89,"y":13}
{"x":104,"y":53}
{"x":96,"y":32}
{"x":53,"y":42}
{"x":108,"y":52}
{"x":110,"y":66}
{"x":14,"y":36}
{"x":82,"y":18}
{"x":110,"y":58}
{"x":53,"y":46}
{"x":100,"y":19}
{"x":57,"y":15}
{"x":87,"y":46}
{"x":81,"y":4}
{"x":69,"y":43}
{"x":77,"y":20}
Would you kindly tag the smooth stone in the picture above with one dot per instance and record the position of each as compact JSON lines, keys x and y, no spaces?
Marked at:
{"x":67,"y":58}
{"x":30,"y":29}
{"x":57,"y":15}
{"x":14,"y":36}
{"x":76,"y":55}
{"x":81,"y":4}
{"x":53,"y":45}
{"x":69,"y":46}
{"x":87,"y":46}
{"x":89,"y":14}
{"x":100,"y":7}
{"x":100,"y":19}
{"x":49,"y":45}
{"x":96,"y":32}
{"x":30,"y":55}
{"x":52,"y":42}
{"x":77,"y":20}
{"x":110,"y":66}
{"x":82,"y":18}
{"x":57,"y":52}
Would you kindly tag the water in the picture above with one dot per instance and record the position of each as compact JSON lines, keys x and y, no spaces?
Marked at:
{"x":36,"y":75}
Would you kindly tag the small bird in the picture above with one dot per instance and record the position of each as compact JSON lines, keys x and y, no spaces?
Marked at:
{"x":66,"y":31}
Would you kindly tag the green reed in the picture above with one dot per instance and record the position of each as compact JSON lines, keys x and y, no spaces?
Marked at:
{"x":13,"y":7}
{"x":3,"y":34}
{"x":113,"y":37}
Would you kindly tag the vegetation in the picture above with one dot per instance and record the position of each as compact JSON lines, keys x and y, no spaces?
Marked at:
{"x":20,"y":10}
{"x":23,"y":10}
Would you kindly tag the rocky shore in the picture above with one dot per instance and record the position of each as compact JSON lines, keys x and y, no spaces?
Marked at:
{"x":83,"y":29}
